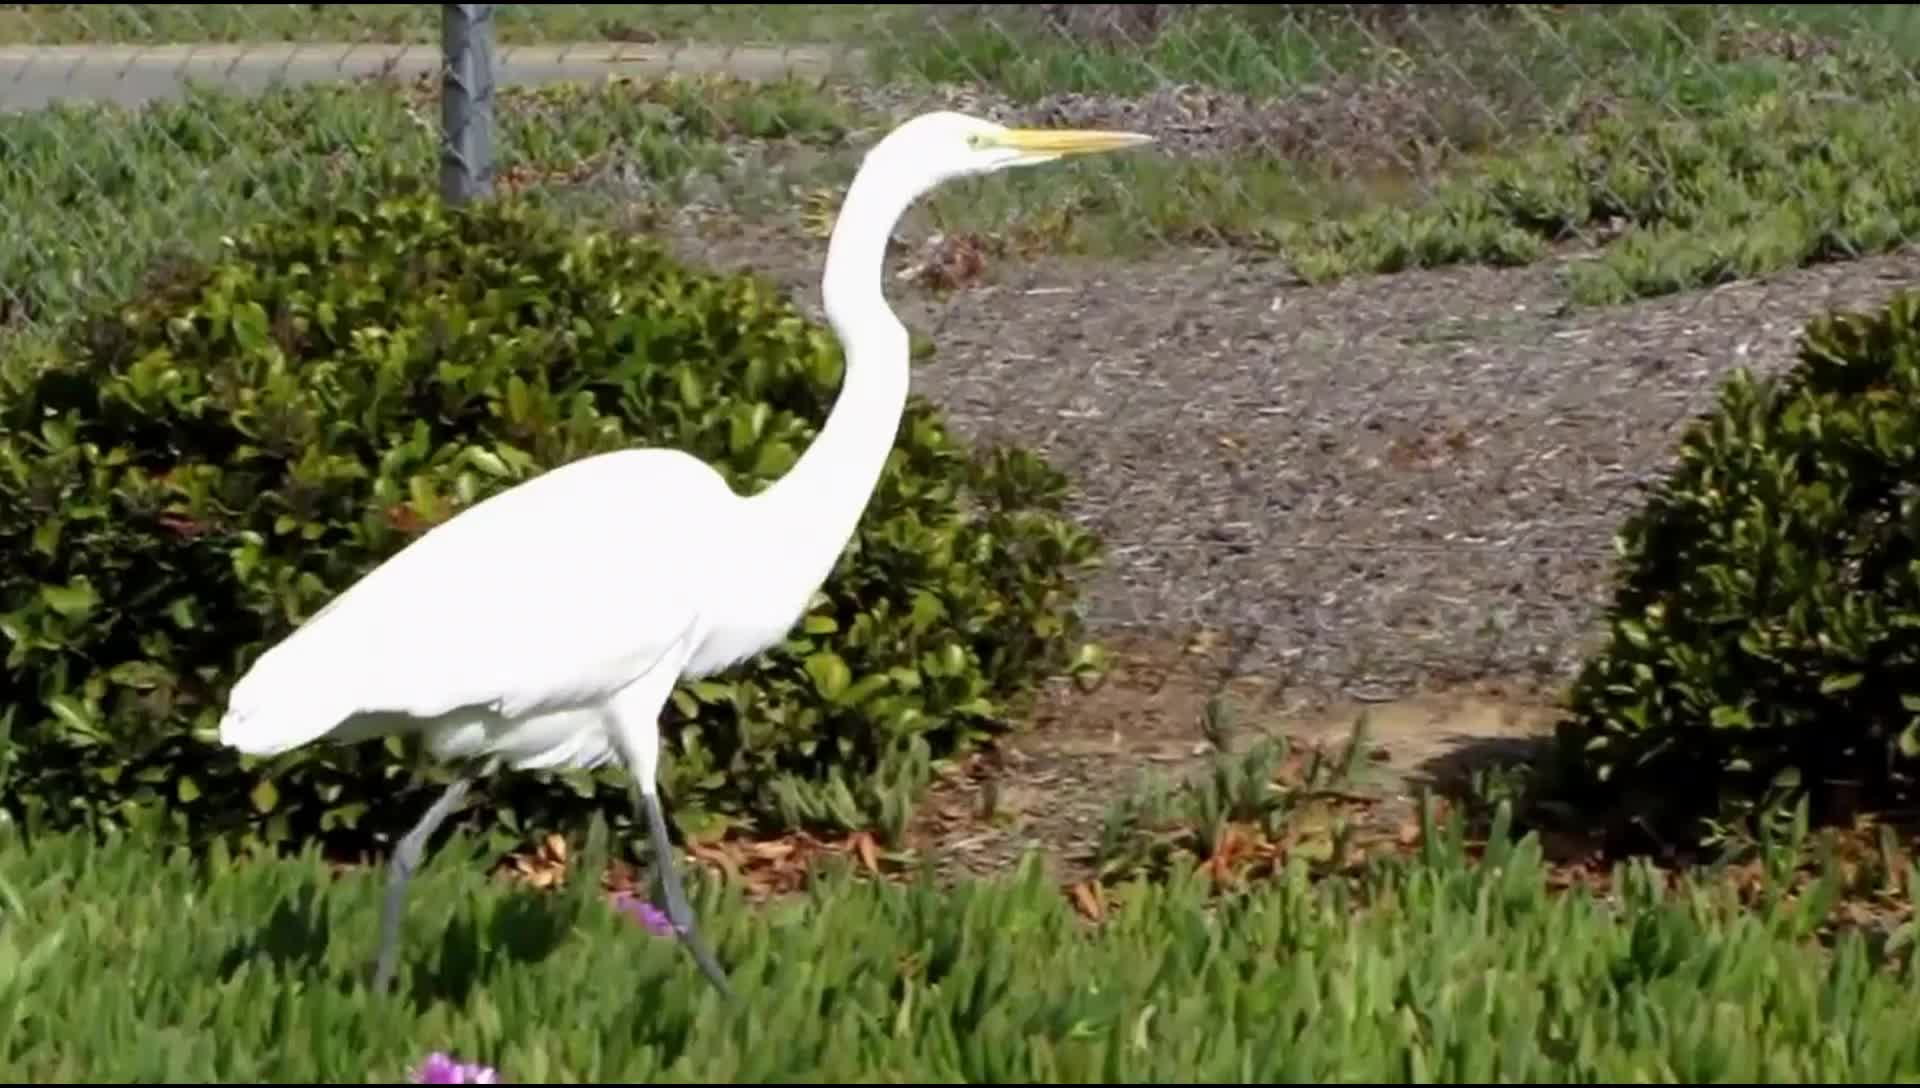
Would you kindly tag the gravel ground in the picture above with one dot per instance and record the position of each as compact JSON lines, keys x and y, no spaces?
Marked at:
{"x":1376,"y":483}
{"x":1393,"y":490}
{"x":1363,"y":488}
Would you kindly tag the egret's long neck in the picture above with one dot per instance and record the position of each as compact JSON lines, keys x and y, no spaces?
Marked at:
{"x":814,"y":509}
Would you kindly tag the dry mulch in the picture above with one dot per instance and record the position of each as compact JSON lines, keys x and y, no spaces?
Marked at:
{"x":1363,"y":488}
{"x":1393,"y":494}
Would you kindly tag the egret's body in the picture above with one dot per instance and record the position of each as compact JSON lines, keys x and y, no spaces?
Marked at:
{"x":547,"y":625}
{"x":536,"y":606}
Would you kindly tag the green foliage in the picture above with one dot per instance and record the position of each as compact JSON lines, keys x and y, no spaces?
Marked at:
{"x":186,"y":479}
{"x":92,"y":194}
{"x":1266,"y":793}
{"x":1764,"y":634}
{"x":513,"y":24}
{"x":882,"y":800}
{"x":1686,"y":57}
{"x":1778,"y":182}
{"x":117,"y":965}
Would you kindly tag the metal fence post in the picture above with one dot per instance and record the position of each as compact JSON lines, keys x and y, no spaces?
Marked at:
{"x":466,"y":101}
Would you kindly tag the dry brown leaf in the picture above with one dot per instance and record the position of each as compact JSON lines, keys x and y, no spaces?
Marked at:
{"x":716,"y":855}
{"x":1220,"y":865}
{"x":758,"y":885}
{"x":1204,"y":641}
{"x":951,"y":261}
{"x":1233,"y":842}
{"x":1087,"y":899}
{"x":772,"y":850}
{"x":1216,"y":869}
{"x":536,"y":871}
{"x":869,"y":852}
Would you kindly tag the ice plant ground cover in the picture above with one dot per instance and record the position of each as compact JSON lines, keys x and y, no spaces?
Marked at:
{"x":117,"y":965}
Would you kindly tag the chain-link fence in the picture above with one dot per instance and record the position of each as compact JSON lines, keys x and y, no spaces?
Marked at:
{"x":1356,"y":371}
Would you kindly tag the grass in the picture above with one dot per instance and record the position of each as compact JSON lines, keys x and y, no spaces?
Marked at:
{"x":123,"y":966}
{"x":1248,"y":48}
{"x":1782,"y":183}
{"x":515,"y":24}
{"x":1669,"y":177}
{"x":91,"y":195}
{"x":1682,"y":147}
{"x":1681,"y":54}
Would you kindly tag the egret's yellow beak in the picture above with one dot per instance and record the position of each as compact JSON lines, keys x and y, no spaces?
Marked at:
{"x":1068,"y":141}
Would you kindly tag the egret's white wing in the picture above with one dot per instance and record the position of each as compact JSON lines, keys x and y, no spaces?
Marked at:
{"x":546,"y":596}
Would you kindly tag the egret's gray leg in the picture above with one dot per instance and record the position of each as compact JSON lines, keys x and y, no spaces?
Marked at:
{"x":405,"y":862}
{"x":677,"y":909}
{"x":633,"y":716}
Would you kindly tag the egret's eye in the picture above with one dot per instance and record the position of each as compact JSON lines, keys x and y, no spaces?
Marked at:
{"x":976,"y":141}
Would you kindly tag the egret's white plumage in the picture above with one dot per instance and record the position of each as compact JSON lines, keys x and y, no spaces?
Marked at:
{"x":501,"y":631}
{"x":547,"y":625}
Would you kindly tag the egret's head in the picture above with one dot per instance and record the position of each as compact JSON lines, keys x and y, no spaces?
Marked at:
{"x":943,"y":146}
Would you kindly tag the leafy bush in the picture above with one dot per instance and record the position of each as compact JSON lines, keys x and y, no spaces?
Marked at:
{"x":1765,"y":630}
{"x":186,"y":479}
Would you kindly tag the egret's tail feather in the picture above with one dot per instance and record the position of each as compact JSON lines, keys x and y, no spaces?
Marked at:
{"x":281,"y":729}
{"x":285,"y":701}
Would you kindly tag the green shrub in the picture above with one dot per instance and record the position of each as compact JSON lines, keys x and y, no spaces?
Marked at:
{"x":1764,"y":635}
{"x":187,"y":478}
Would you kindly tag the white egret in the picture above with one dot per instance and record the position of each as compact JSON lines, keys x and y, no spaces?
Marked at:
{"x":547,"y":625}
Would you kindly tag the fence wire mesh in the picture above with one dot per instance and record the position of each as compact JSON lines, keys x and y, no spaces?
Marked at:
{"x":1356,"y":371}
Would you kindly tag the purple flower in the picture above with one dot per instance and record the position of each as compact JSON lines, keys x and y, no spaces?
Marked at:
{"x":441,"y":1069}
{"x":645,"y":913}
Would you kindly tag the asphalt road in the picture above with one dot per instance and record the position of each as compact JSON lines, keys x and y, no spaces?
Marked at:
{"x":33,"y":76}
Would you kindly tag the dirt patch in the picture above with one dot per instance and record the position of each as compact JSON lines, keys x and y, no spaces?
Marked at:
{"x":1051,"y":786}
{"x":1435,"y":739}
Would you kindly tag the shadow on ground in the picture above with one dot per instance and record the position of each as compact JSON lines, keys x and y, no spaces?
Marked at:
{"x":525,"y":928}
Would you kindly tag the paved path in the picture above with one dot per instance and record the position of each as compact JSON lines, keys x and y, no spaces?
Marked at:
{"x":33,"y":76}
